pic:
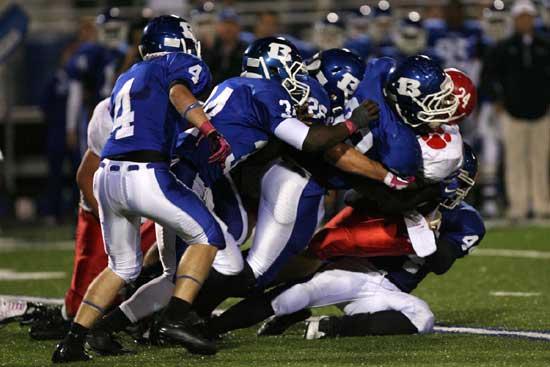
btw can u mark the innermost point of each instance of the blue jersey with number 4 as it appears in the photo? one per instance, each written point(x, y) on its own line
point(461, 227)
point(143, 116)
point(246, 111)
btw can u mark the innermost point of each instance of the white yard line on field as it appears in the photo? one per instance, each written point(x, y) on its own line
point(529, 334)
point(540, 335)
point(526, 254)
point(8, 274)
point(12, 244)
point(514, 294)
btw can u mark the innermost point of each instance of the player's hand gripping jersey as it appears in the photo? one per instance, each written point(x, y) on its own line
point(143, 116)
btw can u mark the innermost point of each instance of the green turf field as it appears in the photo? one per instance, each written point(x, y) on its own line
point(464, 296)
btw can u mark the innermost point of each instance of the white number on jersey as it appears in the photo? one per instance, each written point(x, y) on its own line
point(123, 120)
point(288, 109)
point(195, 72)
point(468, 242)
point(408, 87)
point(315, 109)
point(216, 103)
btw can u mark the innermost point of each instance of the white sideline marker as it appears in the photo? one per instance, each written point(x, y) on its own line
point(538, 335)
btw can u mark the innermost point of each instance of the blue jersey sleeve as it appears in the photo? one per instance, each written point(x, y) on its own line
point(274, 106)
point(463, 227)
point(81, 62)
point(189, 70)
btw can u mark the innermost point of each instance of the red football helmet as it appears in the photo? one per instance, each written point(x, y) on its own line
point(465, 91)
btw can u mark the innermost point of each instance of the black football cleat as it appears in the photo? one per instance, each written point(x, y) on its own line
point(69, 351)
point(188, 333)
point(103, 343)
point(49, 324)
point(278, 325)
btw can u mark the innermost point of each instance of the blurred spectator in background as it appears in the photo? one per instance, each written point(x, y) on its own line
point(380, 30)
point(357, 27)
point(92, 71)
point(203, 22)
point(53, 105)
point(517, 75)
point(267, 24)
point(329, 32)
point(496, 24)
point(409, 38)
point(225, 56)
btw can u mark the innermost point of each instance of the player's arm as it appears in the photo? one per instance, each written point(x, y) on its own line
point(74, 104)
point(444, 257)
point(189, 107)
point(319, 138)
point(372, 195)
point(348, 159)
point(85, 179)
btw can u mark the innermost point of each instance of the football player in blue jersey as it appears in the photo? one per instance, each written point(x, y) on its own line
point(92, 71)
point(390, 139)
point(270, 87)
point(227, 272)
point(374, 292)
point(414, 97)
point(225, 106)
point(387, 307)
point(148, 105)
point(456, 41)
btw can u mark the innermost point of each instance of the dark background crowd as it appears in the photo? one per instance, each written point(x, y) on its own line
point(502, 45)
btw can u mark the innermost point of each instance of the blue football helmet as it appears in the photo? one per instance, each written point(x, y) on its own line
point(168, 33)
point(112, 29)
point(278, 59)
point(421, 92)
point(463, 181)
point(339, 71)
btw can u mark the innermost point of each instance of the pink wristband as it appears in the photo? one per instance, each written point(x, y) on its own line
point(351, 126)
point(206, 128)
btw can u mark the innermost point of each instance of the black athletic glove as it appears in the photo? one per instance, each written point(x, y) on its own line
point(361, 116)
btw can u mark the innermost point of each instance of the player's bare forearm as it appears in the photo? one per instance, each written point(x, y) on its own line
point(181, 97)
point(85, 179)
point(321, 138)
point(348, 159)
